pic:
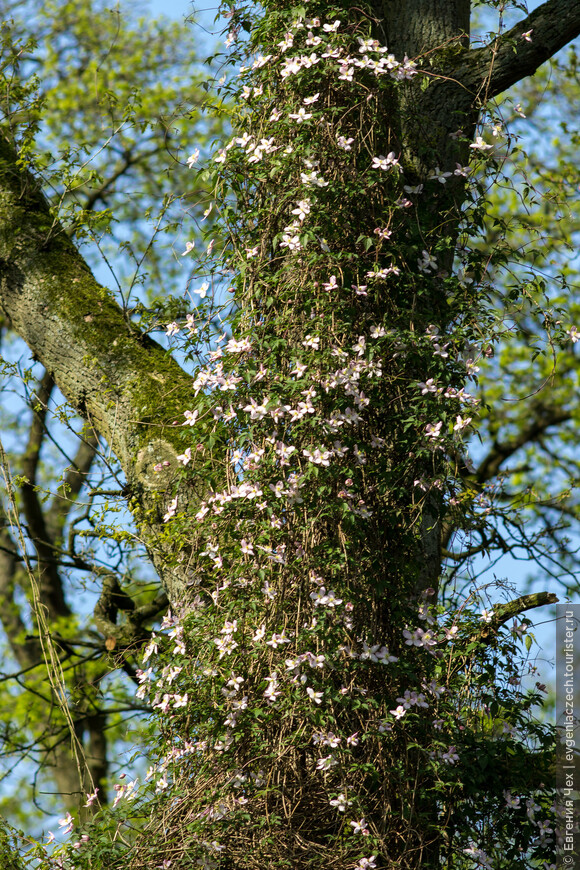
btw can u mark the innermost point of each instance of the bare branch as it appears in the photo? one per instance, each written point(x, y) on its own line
point(73, 481)
point(503, 612)
point(128, 160)
point(543, 418)
point(26, 650)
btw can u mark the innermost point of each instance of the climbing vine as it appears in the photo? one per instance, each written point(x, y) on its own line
point(320, 702)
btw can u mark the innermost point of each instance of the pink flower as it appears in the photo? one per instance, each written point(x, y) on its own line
point(67, 823)
point(360, 827)
point(91, 798)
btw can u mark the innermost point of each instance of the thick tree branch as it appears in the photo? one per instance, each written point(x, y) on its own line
point(120, 380)
point(131, 632)
point(491, 70)
point(503, 612)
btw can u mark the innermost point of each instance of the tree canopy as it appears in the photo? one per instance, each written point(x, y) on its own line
point(330, 678)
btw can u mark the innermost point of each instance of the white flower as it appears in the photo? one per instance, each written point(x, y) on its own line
point(193, 158)
point(332, 600)
point(381, 162)
point(234, 346)
point(67, 823)
point(302, 209)
point(426, 262)
point(171, 509)
point(461, 423)
point(418, 637)
point(260, 633)
point(300, 116)
point(190, 418)
point(416, 188)
point(247, 547)
point(340, 802)
point(440, 351)
point(202, 291)
point(290, 67)
point(189, 246)
point(272, 691)
point(428, 386)
point(312, 178)
point(277, 640)
point(287, 43)
point(450, 756)
point(480, 145)
point(326, 763)
point(384, 273)
point(291, 242)
point(439, 176)
point(225, 645)
point(313, 40)
point(331, 284)
point(314, 696)
point(91, 798)
point(399, 712)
